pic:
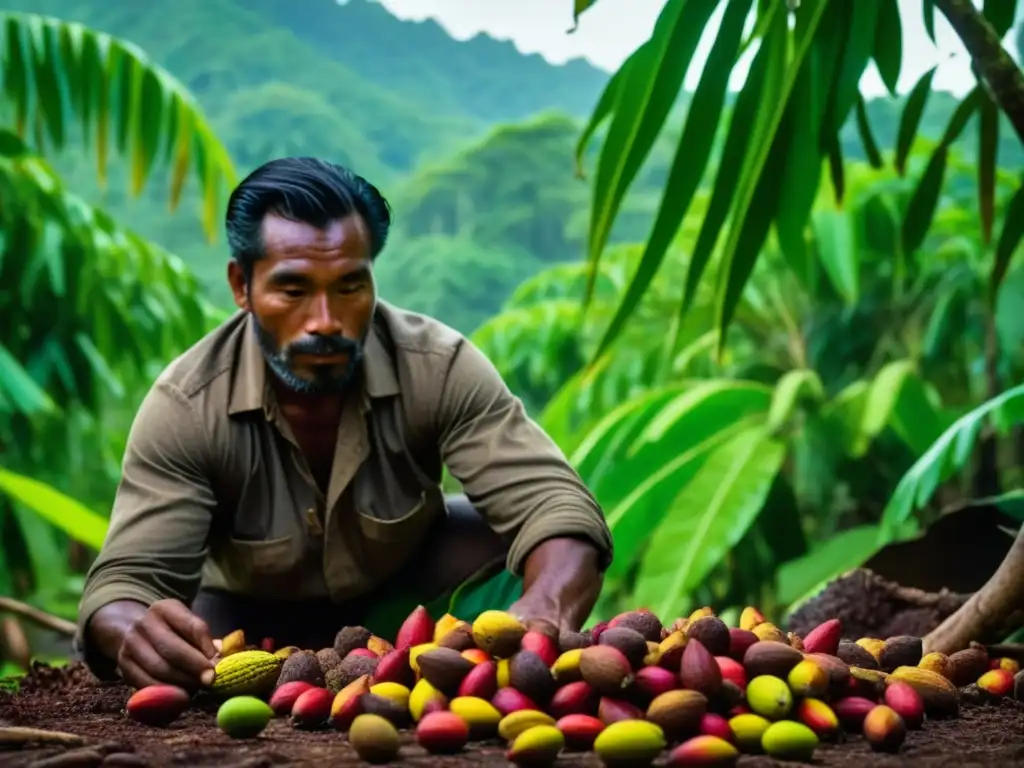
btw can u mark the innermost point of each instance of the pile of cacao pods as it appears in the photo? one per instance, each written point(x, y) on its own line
point(627, 690)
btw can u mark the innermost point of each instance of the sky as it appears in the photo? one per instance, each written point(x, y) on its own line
point(612, 29)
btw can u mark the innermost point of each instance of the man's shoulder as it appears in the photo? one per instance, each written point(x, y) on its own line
point(208, 360)
point(413, 333)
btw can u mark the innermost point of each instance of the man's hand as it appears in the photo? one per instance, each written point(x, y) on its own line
point(561, 584)
point(165, 644)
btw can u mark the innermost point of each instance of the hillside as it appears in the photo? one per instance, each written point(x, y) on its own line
point(484, 78)
point(228, 56)
point(480, 202)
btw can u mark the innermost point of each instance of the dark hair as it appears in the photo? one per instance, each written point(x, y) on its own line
point(302, 189)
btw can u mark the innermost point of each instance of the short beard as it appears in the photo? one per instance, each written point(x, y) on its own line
point(326, 381)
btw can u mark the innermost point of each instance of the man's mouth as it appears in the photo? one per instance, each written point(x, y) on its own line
point(326, 359)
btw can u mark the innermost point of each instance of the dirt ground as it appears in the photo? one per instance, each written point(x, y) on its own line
point(70, 700)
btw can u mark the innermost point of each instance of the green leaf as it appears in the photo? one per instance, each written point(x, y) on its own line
point(947, 456)
point(988, 153)
point(837, 172)
point(859, 45)
point(803, 126)
point(844, 415)
point(17, 386)
point(578, 7)
point(688, 166)
point(837, 248)
point(76, 520)
point(737, 141)
point(1000, 13)
point(911, 118)
point(645, 98)
point(867, 137)
point(882, 396)
point(928, 12)
point(45, 58)
point(793, 388)
point(888, 51)
point(1010, 503)
point(923, 202)
point(799, 580)
point(757, 194)
point(707, 519)
point(925, 199)
point(1009, 240)
point(605, 104)
point(636, 458)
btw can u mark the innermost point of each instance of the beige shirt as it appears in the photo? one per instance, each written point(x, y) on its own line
point(216, 492)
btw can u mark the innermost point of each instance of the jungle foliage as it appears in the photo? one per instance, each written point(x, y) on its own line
point(848, 356)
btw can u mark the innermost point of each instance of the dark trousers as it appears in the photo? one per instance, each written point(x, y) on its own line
point(461, 545)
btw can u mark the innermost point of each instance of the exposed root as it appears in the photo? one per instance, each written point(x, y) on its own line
point(15, 737)
point(990, 613)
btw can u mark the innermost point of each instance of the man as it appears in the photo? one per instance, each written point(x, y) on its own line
point(283, 476)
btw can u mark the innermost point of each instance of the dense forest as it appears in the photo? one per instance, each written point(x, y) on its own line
point(471, 141)
point(874, 347)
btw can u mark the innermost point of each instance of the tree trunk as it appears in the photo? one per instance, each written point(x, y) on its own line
point(1000, 72)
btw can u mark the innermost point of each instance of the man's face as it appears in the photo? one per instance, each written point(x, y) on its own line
point(312, 296)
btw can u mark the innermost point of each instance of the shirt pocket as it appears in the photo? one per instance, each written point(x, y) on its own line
point(389, 544)
point(261, 566)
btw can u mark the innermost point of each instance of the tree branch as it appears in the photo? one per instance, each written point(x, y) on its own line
point(1000, 72)
point(36, 616)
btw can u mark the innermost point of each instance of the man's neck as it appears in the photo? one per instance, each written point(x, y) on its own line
point(309, 408)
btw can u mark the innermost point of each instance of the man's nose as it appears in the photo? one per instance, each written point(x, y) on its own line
point(321, 321)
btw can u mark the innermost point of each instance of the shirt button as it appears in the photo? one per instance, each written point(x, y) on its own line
point(313, 521)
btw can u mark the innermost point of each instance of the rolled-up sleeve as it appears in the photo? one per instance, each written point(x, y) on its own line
point(156, 544)
point(512, 472)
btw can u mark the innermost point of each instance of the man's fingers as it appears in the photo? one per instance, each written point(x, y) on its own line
point(157, 667)
point(134, 675)
point(189, 626)
point(175, 649)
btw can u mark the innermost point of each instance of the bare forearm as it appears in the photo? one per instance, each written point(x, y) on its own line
point(564, 572)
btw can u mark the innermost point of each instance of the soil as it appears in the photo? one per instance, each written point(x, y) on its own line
point(70, 700)
point(870, 606)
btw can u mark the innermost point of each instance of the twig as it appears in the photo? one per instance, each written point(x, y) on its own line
point(42, 618)
point(16, 736)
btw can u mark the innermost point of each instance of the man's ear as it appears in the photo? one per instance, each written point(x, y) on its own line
point(239, 285)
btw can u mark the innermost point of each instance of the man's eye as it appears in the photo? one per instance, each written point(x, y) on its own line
point(351, 288)
point(293, 293)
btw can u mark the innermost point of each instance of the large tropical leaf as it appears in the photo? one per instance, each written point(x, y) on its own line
point(637, 458)
point(690, 161)
point(67, 514)
point(643, 101)
point(59, 76)
point(84, 301)
point(947, 456)
point(801, 88)
point(706, 519)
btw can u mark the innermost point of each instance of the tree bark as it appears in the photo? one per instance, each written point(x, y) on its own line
point(989, 611)
point(1000, 72)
